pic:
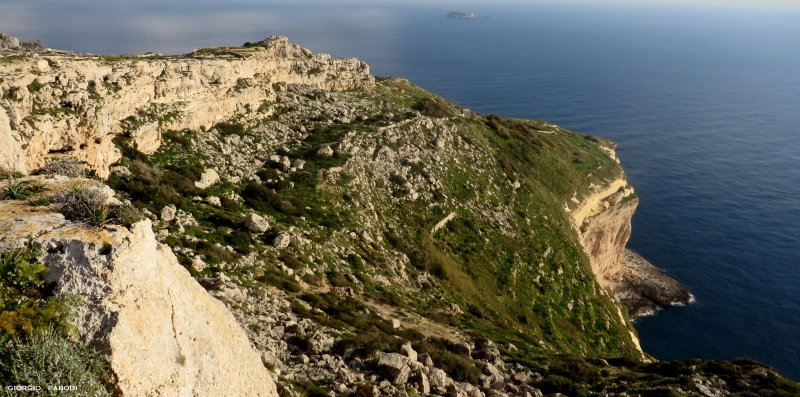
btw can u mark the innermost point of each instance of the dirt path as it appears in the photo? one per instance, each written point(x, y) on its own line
point(417, 322)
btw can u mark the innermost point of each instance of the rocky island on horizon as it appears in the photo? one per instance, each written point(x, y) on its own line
point(460, 15)
point(355, 235)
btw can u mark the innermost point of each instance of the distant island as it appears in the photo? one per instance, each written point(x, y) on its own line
point(455, 14)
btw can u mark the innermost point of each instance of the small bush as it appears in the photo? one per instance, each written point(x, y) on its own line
point(230, 129)
point(67, 167)
point(434, 108)
point(21, 190)
point(459, 368)
point(26, 306)
point(47, 358)
point(559, 384)
point(42, 201)
point(84, 204)
point(126, 215)
point(17, 190)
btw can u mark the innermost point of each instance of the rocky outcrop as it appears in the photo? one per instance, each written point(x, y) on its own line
point(54, 103)
point(604, 219)
point(9, 42)
point(164, 335)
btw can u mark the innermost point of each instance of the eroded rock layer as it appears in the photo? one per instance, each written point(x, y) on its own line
point(627, 277)
point(55, 104)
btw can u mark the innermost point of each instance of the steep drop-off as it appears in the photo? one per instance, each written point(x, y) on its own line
point(604, 220)
point(367, 238)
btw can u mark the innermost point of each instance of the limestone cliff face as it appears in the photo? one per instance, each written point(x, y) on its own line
point(604, 238)
point(56, 103)
point(164, 335)
point(604, 220)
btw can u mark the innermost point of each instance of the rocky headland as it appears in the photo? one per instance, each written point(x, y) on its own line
point(261, 220)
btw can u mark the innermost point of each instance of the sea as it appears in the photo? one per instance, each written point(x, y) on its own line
point(703, 101)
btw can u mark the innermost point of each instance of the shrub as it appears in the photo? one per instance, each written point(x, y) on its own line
point(559, 384)
point(21, 190)
point(230, 129)
point(84, 204)
point(17, 190)
point(459, 368)
point(41, 201)
point(47, 358)
point(259, 198)
point(126, 215)
point(434, 108)
point(68, 167)
point(25, 306)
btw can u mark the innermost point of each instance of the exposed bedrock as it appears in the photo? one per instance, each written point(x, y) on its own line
point(52, 103)
point(163, 334)
point(627, 277)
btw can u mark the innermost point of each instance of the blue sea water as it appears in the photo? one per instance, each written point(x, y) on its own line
point(704, 103)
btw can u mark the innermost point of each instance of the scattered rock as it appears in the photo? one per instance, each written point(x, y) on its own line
point(8, 42)
point(256, 223)
point(213, 200)
point(409, 351)
point(394, 366)
point(325, 152)
point(426, 360)
point(438, 378)
point(422, 381)
point(208, 178)
point(463, 349)
point(367, 390)
point(168, 213)
point(281, 241)
point(198, 265)
point(320, 343)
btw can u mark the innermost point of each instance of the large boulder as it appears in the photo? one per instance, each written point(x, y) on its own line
point(162, 332)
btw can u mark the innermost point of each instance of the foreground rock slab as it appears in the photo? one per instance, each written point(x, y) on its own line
point(163, 333)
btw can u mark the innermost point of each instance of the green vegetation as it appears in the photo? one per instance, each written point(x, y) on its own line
point(21, 190)
point(26, 303)
point(48, 359)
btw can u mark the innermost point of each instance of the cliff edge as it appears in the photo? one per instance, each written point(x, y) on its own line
point(365, 237)
point(603, 218)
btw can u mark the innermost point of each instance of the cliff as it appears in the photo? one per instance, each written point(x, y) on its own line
point(366, 238)
point(55, 104)
point(603, 218)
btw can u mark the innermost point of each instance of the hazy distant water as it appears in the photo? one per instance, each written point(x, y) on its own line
point(704, 103)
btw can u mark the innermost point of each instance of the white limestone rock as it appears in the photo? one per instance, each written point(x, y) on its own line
point(163, 333)
point(207, 179)
point(256, 223)
point(168, 213)
point(214, 200)
point(282, 241)
point(325, 152)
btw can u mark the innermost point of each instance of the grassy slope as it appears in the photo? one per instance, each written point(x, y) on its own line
point(515, 283)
